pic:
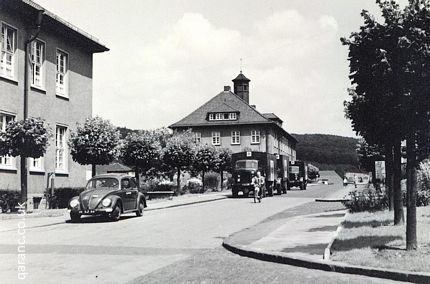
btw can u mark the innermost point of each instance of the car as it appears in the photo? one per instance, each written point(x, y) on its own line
point(108, 195)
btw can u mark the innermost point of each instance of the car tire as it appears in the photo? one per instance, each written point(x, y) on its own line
point(116, 213)
point(140, 208)
point(75, 217)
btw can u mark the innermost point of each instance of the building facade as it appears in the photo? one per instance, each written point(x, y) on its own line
point(229, 121)
point(60, 67)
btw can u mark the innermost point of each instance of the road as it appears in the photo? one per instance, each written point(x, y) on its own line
point(173, 245)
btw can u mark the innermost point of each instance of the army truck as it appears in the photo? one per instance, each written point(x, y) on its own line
point(245, 165)
point(298, 175)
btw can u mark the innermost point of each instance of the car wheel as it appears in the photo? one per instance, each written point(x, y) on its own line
point(75, 217)
point(116, 213)
point(139, 211)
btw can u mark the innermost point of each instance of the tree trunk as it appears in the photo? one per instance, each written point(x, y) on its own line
point(203, 181)
point(222, 180)
point(137, 176)
point(399, 217)
point(93, 169)
point(23, 183)
point(389, 175)
point(178, 180)
point(411, 185)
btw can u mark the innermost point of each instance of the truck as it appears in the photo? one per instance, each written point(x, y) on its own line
point(281, 183)
point(246, 164)
point(298, 175)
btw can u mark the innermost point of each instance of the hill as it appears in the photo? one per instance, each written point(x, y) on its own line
point(328, 152)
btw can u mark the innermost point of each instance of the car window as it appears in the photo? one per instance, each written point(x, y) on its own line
point(133, 183)
point(102, 183)
point(125, 183)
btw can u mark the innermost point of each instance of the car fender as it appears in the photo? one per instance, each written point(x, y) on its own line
point(115, 201)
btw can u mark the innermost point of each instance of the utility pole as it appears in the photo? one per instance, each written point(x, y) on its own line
point(23, 163)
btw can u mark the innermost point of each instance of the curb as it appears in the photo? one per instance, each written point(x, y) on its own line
point(331, 266)
point(189, 203)
point(330, 200)
point(327, 251)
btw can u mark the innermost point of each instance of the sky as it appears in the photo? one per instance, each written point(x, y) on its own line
point(168, 57)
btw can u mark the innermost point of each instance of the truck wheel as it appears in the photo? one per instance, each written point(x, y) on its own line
point(234, 193)
point(302, 187)
point(270, 191)
point(279, 190)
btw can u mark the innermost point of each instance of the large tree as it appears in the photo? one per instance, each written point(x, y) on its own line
point(223, 162)
point(141, 151)
point(27, 138)
point(204, 160)
point(178, 154)
point(94, 143)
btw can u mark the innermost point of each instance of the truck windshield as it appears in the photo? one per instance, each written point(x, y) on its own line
point(294, 169)
point(102, 182)
point(247, 164)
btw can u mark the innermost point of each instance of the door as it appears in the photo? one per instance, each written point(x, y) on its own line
point(129, 193)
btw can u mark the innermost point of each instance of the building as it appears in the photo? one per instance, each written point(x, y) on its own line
point(60, 89)
point(229, 121)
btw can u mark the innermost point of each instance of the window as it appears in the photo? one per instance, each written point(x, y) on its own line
point(232, 116)
point(235, 137)
point(218, 116)
point(216, 138)
point(6, 161)
point(255, 137)
point(211, 116)
point(8, 47)
point(197, 137)
point(61, 149)
point(61, 77)
point(223, 116)
point(36, 165)
point(37, 59)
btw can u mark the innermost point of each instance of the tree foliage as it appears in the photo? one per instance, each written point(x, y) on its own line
point(368, 154)
point(26, 138)
point(95, 142)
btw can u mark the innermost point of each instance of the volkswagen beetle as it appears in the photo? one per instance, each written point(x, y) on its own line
point(110, 195)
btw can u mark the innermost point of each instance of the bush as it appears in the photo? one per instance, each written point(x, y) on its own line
point(166, 186)
point(212, 181)
point(366, 201)
point(194, 185)
point(423, 198)
point(9, 199)
point(62, 195)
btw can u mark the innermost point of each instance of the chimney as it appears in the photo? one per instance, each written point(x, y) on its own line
point(227, 89)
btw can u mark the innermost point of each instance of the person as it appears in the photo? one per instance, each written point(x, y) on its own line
point(258, 183)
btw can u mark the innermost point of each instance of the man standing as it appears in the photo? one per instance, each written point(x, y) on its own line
point(258, 183)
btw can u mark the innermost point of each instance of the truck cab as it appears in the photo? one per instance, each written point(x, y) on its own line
point(298, 176)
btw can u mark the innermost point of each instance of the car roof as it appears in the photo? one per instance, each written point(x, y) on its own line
point(113, 175)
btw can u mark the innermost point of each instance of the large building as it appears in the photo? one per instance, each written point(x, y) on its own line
point(60, 71)
point(229, 121)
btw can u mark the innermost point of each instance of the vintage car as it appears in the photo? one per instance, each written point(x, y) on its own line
point(110, 195)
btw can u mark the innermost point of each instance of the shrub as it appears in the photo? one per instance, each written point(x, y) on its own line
point(366, 201)
point(166, 186)
point(194, 185)
point(212, 181)
point(62, 195)
point(423, 198)
point(9, 199)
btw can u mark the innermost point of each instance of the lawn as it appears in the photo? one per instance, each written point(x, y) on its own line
point(371, 239)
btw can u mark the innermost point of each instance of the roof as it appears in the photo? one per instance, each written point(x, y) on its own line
point(113, 168)
point(241, 77)
point(272, 116)
point(227, 101)
point(54, 22)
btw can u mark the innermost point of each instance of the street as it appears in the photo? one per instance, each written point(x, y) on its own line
point(172, 245)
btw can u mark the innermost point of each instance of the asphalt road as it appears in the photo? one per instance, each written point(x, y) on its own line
point(173, 245)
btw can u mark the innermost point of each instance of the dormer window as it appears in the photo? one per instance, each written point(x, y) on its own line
point(222, 116)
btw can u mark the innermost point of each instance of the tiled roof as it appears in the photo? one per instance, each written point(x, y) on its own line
point(113, 168)
point(223, 101)
point(271, 115)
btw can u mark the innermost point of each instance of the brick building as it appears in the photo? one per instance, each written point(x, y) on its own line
point(60, 89)
point(229, 121)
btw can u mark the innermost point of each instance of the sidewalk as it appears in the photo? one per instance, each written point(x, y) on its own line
point(302, 236)
point(41, 218)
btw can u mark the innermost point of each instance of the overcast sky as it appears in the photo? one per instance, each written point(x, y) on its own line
point(168, 57)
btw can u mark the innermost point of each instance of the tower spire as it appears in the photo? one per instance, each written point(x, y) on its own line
point(241, 66)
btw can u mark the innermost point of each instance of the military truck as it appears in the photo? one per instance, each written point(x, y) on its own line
point(298, 175)
point(245, 165)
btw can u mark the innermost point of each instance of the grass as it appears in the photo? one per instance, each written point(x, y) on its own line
point(371, 239)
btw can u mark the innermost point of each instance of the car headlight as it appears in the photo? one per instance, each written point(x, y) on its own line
point(106, 202)
point(74, 203)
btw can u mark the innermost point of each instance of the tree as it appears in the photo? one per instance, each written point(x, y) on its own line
point(368, 154)
point(94, 143)
point(27, 138)
point(179, 153)
point(223, 162)
point(204, 160)
point(141, 151)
